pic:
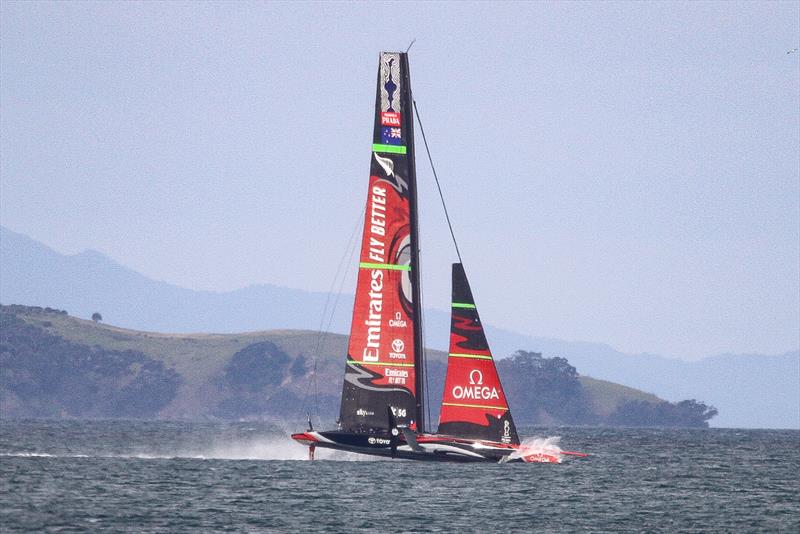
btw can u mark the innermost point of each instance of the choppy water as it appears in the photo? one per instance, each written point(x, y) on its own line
point(181, 477)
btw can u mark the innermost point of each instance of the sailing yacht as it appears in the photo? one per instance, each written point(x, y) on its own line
point(383, 403)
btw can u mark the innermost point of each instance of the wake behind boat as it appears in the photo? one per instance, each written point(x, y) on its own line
point(382, 408)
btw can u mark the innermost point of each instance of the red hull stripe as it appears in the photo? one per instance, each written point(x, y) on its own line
point(382, 364)
point(481, 406)
point(473, 356)
point(389, 266)
point(450, 439)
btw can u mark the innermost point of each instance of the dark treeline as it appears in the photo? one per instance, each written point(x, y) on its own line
point(547, 390)
point(45, 375)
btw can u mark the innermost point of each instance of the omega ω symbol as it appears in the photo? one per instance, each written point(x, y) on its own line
point(475, 377)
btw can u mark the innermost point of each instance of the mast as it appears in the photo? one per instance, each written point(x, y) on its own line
point(419, 348)
point(383, 381)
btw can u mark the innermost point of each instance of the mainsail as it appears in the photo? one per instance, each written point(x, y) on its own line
point(383, 370)
point(473, 405)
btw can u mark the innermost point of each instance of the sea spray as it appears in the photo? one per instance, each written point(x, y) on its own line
point(272, 442)
point(260, 441)
point(256, 444)
point(540, 450)
point(257, 448)
point(273, 448)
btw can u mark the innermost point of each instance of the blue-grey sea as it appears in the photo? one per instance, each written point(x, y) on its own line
point(118, 476)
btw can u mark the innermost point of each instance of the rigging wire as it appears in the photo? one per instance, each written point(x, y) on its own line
point(323, 330)
point(452, 234)
point(422, 357)
point(436, 177)
point(349, 250)
point(424, 361)
point(352, 247)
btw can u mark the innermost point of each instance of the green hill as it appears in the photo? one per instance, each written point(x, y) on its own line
point(55, 365)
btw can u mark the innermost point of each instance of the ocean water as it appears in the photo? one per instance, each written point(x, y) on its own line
point(118, 476)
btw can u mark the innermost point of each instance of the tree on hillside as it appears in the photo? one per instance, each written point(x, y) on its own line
point(96, 317)
point(686, 413)
point(542, 388)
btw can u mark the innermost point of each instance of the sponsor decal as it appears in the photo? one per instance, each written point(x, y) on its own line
point(363, 413)
point(391, 135)
point(362, 379)
point(398, 321)
point(390, 118)
point(398, 346)
point(475, 390)
point(377, 252)
point(377, 224)
point(395, 376)
point(506, 438)
point(378, 441)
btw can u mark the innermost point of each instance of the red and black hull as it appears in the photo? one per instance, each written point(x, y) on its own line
point(426, 447)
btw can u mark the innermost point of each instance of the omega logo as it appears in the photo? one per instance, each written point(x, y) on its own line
point(475, 377)
point(475, 390)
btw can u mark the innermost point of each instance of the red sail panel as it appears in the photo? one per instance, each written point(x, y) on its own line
point(474, 404)
point(380, 370)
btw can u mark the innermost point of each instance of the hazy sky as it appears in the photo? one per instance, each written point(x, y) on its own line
point(624, 173)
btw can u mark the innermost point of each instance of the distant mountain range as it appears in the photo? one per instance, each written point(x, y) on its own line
point(750, 390)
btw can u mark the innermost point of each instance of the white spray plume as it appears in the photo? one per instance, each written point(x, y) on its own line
point(535, 446)
point(273, 445)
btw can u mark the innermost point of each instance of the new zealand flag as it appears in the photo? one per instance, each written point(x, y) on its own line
point(391, 136)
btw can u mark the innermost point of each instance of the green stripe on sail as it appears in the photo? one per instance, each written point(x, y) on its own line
point(389, 266)
point(383, 364)
point(473, 356)
point(463, 305)
point(481, 406)
point(391, 149)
